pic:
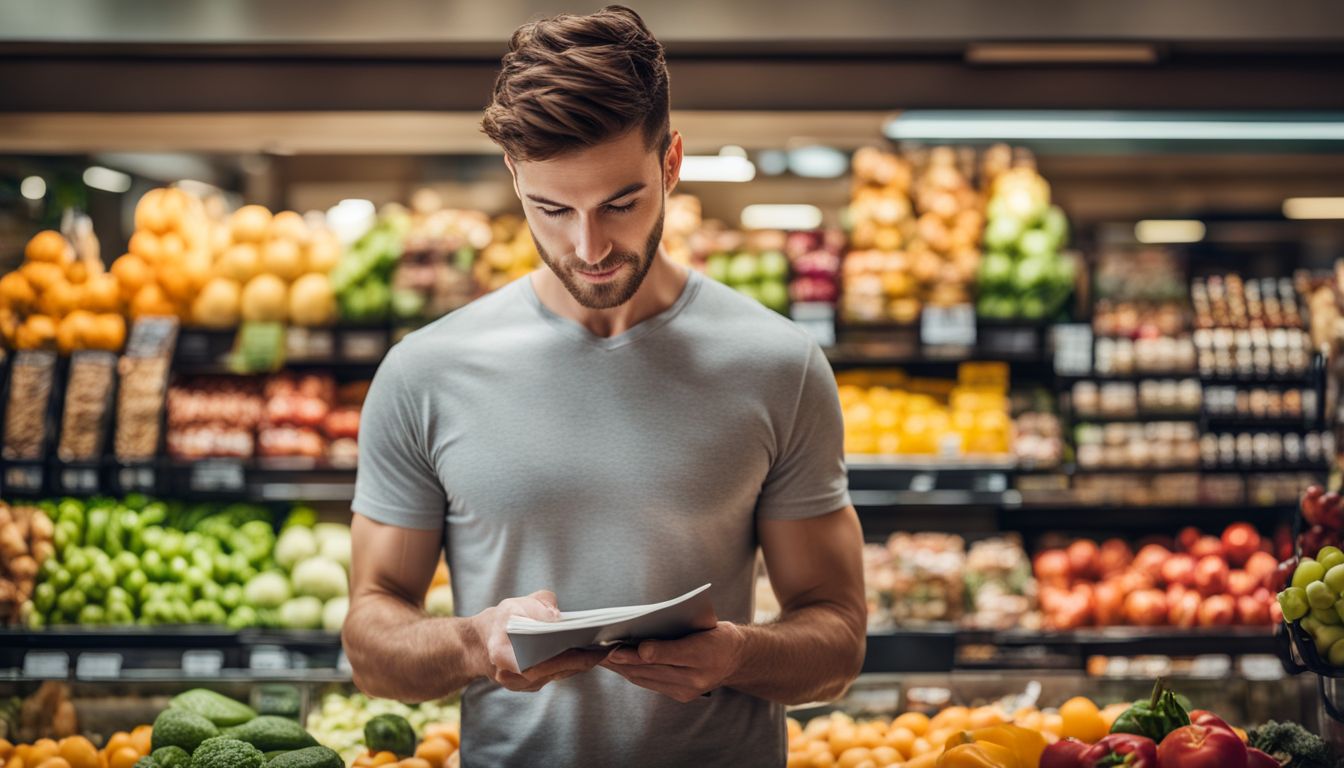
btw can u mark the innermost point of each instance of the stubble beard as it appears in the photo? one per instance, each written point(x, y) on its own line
point(616, 292)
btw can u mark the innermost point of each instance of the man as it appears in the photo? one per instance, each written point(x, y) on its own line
point(610, 430)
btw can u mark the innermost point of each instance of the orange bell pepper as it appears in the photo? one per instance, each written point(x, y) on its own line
point(1024, 744)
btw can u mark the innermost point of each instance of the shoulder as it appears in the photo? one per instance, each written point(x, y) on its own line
point(462, 330)
point(759, 333)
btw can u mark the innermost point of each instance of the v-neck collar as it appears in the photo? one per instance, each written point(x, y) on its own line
point(636, 332)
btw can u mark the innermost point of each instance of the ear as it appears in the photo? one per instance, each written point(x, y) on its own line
point(672, 163)
point(513, 173)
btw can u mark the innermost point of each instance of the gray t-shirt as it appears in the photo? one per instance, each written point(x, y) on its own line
point(612, 471)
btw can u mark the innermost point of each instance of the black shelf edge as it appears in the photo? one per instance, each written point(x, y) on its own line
point(1303, 378)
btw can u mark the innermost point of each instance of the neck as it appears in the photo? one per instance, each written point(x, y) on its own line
point(661, 288)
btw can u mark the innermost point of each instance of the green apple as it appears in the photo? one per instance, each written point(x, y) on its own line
point(1307, 571)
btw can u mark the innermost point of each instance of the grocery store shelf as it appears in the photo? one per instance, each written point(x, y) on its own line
point(861, 462)
point(1251, 424)
point(1199, 469)
point(1136, 418)
point(1080, 515)
point(950, 498)
point(1302, 377)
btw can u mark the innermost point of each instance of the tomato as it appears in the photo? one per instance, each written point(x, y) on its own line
point(1208, 720)
point(1200, 746)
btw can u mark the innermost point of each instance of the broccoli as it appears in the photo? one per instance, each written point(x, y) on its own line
point(1293, 743)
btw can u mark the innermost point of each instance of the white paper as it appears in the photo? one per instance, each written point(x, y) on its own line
point(536, 641)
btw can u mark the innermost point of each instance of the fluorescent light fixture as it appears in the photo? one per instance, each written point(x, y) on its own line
point(1061, 53)
point(817, 162)
point(772, 162)
point(106, 179)
point(1118, 126)
point(1155, 231)
point(1314, 208)
point(351, 218)
point(763, 216)
point(716, 168)
point(33, 188)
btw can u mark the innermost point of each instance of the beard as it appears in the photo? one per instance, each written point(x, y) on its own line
point(617, 291)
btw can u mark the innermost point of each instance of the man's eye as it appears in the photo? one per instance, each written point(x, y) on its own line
point(622, 208)
point(554, 213)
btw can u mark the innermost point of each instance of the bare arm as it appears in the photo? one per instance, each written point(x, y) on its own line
point(398, 652)
point(812, 653)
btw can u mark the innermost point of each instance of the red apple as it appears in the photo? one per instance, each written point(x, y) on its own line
point(1149, 560)
point(1241, 583)
point(1240, 541)
point(1211, 575)
point(1115, 556)
point(1187, 537)
point(1052, 568)
point(1184, 612)
point(1083, 558)
point(1180, 569)
point(1146, 608)
point(1174, 592)
point(1311, 504)
point(1109, 603)
point(1262, 565)
point(1252, 612)
point(1217, 611)
point(1207, 545)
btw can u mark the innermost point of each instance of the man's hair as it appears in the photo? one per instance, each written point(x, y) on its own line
point(572, 82)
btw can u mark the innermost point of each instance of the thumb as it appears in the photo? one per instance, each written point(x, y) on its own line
point(547, 598)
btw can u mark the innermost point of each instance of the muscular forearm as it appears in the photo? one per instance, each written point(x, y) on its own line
point(397, 652)
point(812, 653)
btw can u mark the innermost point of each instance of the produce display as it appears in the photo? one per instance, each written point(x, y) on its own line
point(1156, 355)
point(168, 257)
point(27, 537)
point(60, 301)
point(752, 264)
point(1140, 294)
point(1249, 328)
point(88, 406)
point(510, 255)
point(1197, 580)
point(814, 260)
point(1038, 439)
point(31, 382)
point(888, 413)
point(434, 275)
point(343, 723)
point(213, 416)
point(1162, 730)
point(1024, 273)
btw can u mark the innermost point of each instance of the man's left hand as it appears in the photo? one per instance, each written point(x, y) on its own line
point(683, 669)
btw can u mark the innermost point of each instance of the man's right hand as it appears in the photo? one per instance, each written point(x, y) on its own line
point(498, 661)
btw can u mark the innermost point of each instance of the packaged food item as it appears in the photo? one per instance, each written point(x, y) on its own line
point(1000, 588)
point(915, 579)
point(88, 405)
point(213, 417)
point(144, 382)
point(26, 424)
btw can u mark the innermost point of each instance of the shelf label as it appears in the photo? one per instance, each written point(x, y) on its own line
point(98, 665)
point(343, 663)
point(24, 478)
point(268, 658)
point(818, 319)
point(309, 344)
point(363, 345)
point(79, 480)
point(132, 479)
point(217, 475)
point(206, 663)
point(948, 326)
point(52, 664)
point(1073, 349)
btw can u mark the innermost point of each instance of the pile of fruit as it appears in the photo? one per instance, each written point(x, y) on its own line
point(310, 586)
point(887, 413)
point(753, 266)
point(510, 255)
point(58, 301)
point(814, 258)
point(1024, 274)
point(214, 416)
point(1196, 580)
point(434, 275)
point(1315, 599)
point(1323, 516)
point(26, 543)
point(341, 722)
point(1159, 731)
point(123, 750)
point(880, 282)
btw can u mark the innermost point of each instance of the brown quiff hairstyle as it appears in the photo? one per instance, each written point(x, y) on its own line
point(571, 82)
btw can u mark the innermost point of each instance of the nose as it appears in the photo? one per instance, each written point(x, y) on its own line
point(593, 245)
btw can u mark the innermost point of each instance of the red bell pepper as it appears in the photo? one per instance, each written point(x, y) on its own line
point(1126, 750)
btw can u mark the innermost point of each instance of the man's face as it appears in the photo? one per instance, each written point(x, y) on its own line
point(597, 216)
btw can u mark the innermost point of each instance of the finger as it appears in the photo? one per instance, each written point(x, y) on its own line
point(547, 598)
point(576, 660)
point(501, 654)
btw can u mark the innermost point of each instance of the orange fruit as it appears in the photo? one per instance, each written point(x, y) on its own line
point(54, 762)
point(102, 293)
point(916, 722)
point(49, 246)
point(37, 332)
point(938, 737)
point(132, 273)
point(853, 756)
point(151, 301)
point(79, 752)
point(383, 758)
point(902, 739)
point(416, 762)
point(435, 750)
point(42, 275)
point(43, 749)
point(983, 717)
point(6, 749)
point(172, 247)
point(146, 245)
point(140, 738)
point(176, 282)
point(1082, 720)
point(885, 756)
point(15, 761)
point(17, 292)
point(954, 718)
point(124, 757)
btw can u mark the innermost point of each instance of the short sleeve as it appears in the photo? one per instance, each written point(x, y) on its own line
point(395, 483)
point(808, 478)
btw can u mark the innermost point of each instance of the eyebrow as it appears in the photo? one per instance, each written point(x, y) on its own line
point(622, 192)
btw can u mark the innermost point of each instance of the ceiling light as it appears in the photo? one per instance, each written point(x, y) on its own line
point(33, 188)
point(1154, 231)
point(716, 168)
point(1314, 208)
point(817, 162)
point(781, 217)
point(106, 179)
point(1112, 126)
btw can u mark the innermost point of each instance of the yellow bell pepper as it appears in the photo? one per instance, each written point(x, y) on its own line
point(977, 755)
point(1024, 744)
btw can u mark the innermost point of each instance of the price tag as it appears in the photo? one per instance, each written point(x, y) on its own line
point(202, 663)
point(948, 326)
point(343, 663)
point(922, 482)
point(363, 345)
point(24, 479)
point(98, 665)
point(268, 658)
point(132, 479)
point(218, 475)
point(49, 664)
point(193, 346)
point(79, 480)
point(309, 344)
point(1073, 349)
point(818, 319)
